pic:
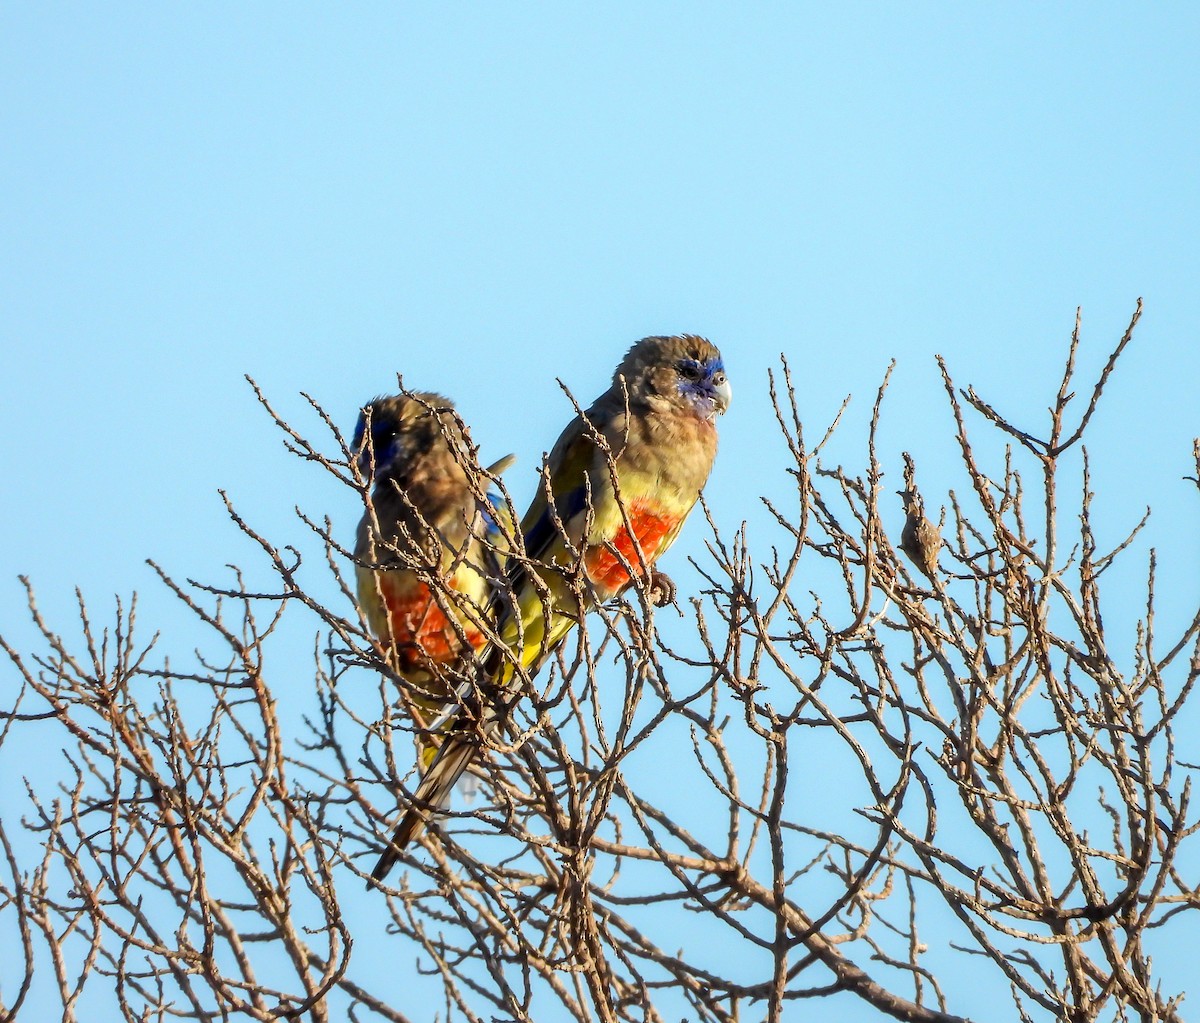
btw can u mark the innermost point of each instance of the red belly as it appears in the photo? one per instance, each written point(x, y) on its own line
point(606, 570)
point(420, 629)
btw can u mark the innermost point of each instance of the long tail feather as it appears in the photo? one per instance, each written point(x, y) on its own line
point(456, 753)
point(453, 758)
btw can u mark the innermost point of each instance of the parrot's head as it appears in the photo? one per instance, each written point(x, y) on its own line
point(394, 433)
point(684, 370)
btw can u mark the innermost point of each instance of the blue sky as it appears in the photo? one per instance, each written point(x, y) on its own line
point(485, 198)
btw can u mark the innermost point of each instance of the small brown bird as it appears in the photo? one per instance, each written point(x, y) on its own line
point(920, 539)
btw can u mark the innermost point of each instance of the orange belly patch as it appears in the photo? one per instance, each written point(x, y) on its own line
point(607, 571)
point(420, 629)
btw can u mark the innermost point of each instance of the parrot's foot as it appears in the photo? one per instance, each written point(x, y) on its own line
point(660, 589)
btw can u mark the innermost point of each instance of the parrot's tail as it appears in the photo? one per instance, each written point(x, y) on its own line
point(453, 758)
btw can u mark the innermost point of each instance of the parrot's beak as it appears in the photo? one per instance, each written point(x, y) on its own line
point(723, 393)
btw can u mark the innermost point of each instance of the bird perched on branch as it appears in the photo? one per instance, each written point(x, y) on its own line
point(920, 539)
point(614, 493)
point(428, 544)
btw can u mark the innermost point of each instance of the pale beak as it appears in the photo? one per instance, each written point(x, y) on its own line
point(723, 392)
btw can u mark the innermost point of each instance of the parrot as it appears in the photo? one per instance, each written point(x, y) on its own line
point(654, 430)
point(425, 518)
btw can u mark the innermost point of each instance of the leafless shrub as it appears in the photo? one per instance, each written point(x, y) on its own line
point(652, 838)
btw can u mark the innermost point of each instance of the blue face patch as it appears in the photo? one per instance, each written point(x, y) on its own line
point(699, 381)
point(384, 443)
point(695, 370)
point(359, 429)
